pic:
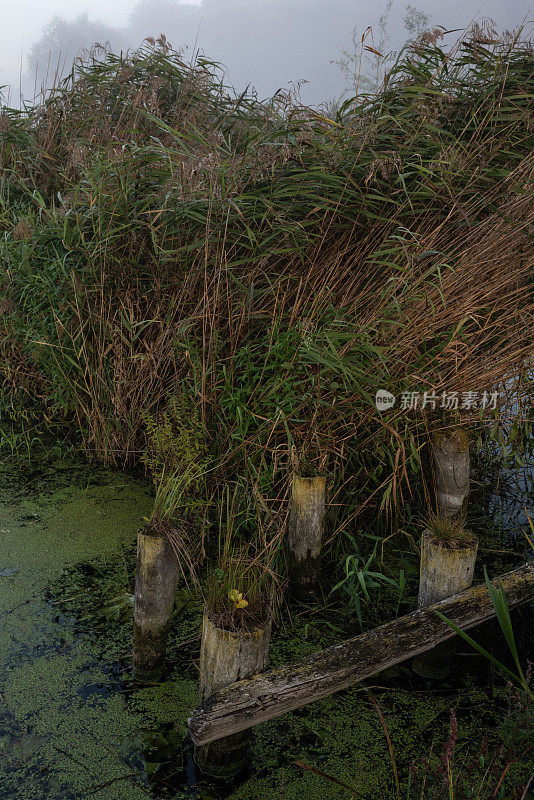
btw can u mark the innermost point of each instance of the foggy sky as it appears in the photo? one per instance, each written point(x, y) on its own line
point(269, 44)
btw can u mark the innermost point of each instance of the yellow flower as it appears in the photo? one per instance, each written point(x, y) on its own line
point(237, 598)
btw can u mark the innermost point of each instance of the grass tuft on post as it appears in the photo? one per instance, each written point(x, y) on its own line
point(448, 556)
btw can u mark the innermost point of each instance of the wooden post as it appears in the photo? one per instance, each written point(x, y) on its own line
point(306, 532)
point(156, 577)
point(444, 572)
point(227, 657)
point(450, 449)
point(278, 691)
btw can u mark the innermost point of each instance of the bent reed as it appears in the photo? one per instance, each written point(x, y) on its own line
point(278, 264)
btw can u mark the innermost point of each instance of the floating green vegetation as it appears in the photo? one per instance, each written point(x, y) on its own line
point(343, 740)
point(73, 724)
point(68, 728)
point(169, 703)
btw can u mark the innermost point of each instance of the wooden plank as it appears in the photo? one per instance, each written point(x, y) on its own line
point(271, 694)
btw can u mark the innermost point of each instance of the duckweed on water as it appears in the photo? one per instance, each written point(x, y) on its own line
point(56, 694)
point(73, 725)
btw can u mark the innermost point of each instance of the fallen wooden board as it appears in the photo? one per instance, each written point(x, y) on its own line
point(271, 694)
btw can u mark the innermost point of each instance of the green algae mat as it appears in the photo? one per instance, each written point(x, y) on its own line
point(74, 725)
point(68, 727)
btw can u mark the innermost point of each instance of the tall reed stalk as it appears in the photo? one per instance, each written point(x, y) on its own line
point(280, 264)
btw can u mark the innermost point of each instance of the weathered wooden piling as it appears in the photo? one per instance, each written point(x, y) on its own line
point(254, 700)
point(156, 578)
point(445, 570)
point(450, 450)
point(227, 657)
point(305, 534)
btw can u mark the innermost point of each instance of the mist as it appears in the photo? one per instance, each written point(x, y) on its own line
point(264, 44)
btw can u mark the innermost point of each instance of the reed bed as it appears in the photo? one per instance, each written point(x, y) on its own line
point(163, 237)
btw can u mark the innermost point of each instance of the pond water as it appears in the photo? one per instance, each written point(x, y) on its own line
point(74, 725)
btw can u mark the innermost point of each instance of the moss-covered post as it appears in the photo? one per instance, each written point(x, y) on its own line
point(446, 568)
point(156, 577)
point(306, 532)
point(227, 657)
point(450, 450)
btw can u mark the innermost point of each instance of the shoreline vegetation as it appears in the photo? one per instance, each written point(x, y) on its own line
point(217, 289)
